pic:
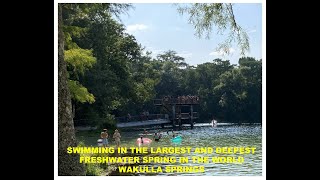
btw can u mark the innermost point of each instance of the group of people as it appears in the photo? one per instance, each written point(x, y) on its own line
point(182, 99)
point(156, 136)
point(188, 99)
point(104, 136)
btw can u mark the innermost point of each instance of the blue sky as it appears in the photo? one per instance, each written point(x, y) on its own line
point(159, 27)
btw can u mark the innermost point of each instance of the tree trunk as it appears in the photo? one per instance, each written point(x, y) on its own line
point(73, 103)
point(68, 164)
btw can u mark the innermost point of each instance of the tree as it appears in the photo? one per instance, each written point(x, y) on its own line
point(79, 57)
point(78, 61)
point(240, 92)
point(172, 56)
point(110, 79)
point(204, 16)
point(68, 163)
point(171, 74)
point(208, 76)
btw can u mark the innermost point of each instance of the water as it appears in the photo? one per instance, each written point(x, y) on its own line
point(206, 136)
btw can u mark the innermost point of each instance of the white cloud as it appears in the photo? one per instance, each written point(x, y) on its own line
point(157, 51)
point(221, 52)
point(154, 51)
point(252, 31)
point(185, 54)
point(136, 27)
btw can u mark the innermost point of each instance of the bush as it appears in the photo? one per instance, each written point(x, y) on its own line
point(81, 144)
point(96, 169)
point(109, 123)
point(93, 169)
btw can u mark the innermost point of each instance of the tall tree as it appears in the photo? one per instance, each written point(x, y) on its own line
point(72, 14)
point(68, 163)
point(171, 73)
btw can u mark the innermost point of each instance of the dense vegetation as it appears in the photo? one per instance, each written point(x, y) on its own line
point(109, 74)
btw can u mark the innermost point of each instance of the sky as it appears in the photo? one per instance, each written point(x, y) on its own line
point(159, 27)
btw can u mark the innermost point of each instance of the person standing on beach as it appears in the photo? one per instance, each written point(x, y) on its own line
point(117, 137)
point(104, 136)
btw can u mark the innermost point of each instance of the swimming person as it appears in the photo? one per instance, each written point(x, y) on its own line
point(173, 134)
point(157, 136)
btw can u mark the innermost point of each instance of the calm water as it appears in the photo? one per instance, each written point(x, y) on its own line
point(206, 136)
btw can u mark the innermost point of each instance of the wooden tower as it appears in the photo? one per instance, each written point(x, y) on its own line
point(180, 109)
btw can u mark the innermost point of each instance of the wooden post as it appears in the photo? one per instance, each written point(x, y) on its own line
point(174, 116)
point(179, 121)
point(191, 116)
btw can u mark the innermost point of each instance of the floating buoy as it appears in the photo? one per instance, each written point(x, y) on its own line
point(177, 139)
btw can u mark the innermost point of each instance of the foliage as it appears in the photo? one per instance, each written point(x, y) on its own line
point(80, 60)
point(93, 169)
point(80, 93)
point(203, 16)
point(109, 122)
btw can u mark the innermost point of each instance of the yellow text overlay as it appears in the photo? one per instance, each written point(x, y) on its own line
point(173, 159)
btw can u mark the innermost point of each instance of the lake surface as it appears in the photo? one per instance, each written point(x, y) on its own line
point(224, 135)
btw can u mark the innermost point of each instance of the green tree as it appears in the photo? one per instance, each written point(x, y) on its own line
point(171, 69)
point(171, 56)
point(68, 163)
point(203, 16)
point(240, 92)
point(80, 58)
point(208, 76)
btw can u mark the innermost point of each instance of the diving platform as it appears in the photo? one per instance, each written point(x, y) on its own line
point(175, 111)
point(180, 109)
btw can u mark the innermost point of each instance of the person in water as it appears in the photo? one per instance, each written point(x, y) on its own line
point(173, 134)
point(213, 122)
point(145, 132)
point(157, 136)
